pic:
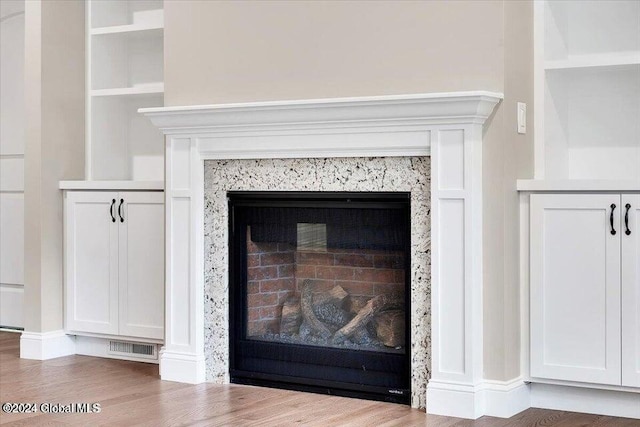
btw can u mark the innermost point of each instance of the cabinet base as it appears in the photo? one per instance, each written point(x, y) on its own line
point(102, 347)
point(586, 400)
point(504, 399)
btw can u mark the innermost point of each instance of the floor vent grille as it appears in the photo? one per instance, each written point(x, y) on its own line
point(147, 351)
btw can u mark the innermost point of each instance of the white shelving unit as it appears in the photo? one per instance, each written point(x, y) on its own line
point(124, 72)
point(579, 215)
point(587, 101)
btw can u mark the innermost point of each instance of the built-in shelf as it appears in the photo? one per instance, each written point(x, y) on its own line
point(146, 89)
point(587, 92)
point(125, 72)
point(577, 185)
point(145, 27)
point(112, 185)
point(618, 59)
point(118, 13)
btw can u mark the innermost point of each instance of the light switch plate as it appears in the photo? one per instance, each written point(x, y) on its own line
point(522, 117)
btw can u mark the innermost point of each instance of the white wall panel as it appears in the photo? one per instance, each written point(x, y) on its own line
point(12, 238)
point(11, 300)
point(12, 174)
point(451, 247)
point(451, 154)
point(179, 295)
point(11, 163)
point(180, 163)
point(12, 79)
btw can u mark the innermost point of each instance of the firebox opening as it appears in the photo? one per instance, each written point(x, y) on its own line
point(319, 292)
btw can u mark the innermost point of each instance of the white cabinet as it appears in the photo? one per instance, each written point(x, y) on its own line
point(91, 262)
point(141, 265)
point(575, 288)
point(114, 270)
point(583, 265)
point(631, 291)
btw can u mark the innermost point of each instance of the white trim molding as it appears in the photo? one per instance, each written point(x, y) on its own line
point(446, 126)
point(46, 345)
point(342, 127)
point(182, 367)
point(502, 399)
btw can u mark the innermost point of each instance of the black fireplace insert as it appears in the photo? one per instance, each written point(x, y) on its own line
point(319, 292)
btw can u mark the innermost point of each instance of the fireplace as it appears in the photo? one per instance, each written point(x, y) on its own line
point(428, 145)
point(319, 295)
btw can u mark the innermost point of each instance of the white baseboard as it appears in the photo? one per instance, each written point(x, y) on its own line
point(501, 399)
point(504, 399)
point(452, 400)
point(46, 345)
point(182, 367)
point(587, 400)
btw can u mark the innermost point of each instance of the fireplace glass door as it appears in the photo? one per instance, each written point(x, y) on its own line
point(319, 292)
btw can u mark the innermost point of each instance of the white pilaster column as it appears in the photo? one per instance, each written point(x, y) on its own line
point(182, 357)
point(456, 271)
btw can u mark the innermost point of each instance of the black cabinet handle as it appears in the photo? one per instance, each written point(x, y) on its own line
point(113, 218)
point(120, 211)
point(626, 219)
point(613, 208)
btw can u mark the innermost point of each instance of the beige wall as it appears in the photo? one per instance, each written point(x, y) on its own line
point(225, 51)
point(229, 51)
point(54, 147)
point(507, 156)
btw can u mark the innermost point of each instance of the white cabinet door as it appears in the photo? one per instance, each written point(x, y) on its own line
point(575, 287)
point(631, 290)
point(141, 260)
point(91, 262)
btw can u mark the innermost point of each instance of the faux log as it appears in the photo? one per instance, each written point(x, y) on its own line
point(364, 316)
point(356, 304)
point(291, 316)
point(337, 295)
point(390, 328)
point(306, 305)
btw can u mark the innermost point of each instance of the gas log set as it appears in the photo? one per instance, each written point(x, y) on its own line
point(334, 318)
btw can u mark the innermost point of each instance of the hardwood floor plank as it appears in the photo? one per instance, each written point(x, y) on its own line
point(131, 394)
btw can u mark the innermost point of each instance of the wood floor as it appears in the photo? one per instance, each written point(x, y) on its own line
point(131, 394)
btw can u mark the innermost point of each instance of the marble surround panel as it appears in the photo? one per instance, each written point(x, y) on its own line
point(407, 174)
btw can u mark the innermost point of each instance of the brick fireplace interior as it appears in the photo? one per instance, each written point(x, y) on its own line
point(277, 273)
point(320, 293)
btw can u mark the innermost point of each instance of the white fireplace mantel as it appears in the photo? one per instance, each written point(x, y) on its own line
point(445, 126)
point(343, 127)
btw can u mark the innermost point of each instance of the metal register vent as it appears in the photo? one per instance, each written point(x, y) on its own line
point(147, 351)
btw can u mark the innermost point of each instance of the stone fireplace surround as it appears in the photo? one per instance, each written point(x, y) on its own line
point(347, 144)
point(381, 174)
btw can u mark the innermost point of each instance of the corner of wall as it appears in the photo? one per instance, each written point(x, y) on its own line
point(54, 150)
